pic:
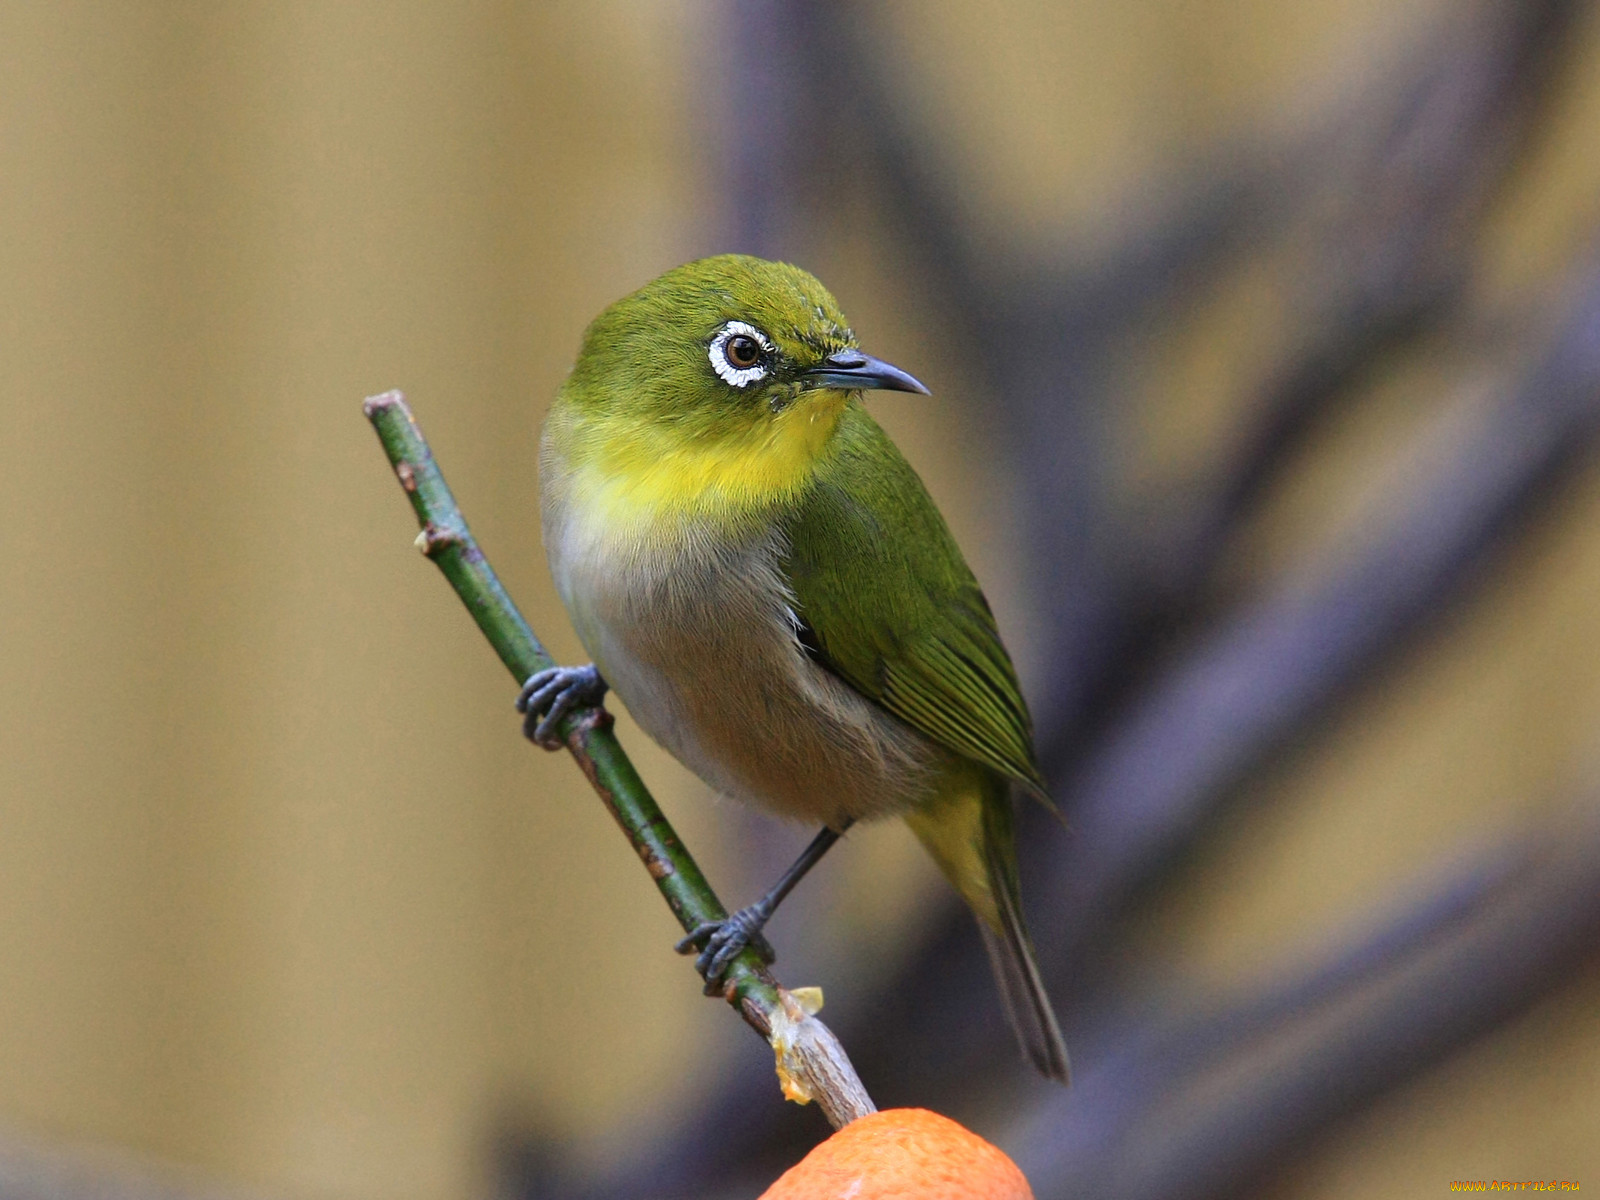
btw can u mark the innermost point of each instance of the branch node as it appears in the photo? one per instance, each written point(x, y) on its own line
point(434, 540)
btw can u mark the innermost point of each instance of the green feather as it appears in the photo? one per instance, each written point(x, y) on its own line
point(893, 608)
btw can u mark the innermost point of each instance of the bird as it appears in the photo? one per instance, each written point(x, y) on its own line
point(764, 580)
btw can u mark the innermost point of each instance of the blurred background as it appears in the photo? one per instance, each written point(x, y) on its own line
point(1265, 348)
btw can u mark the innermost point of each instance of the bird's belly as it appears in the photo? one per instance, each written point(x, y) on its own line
point(702, 650)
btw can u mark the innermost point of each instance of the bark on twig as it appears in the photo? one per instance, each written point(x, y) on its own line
point(811, 1062)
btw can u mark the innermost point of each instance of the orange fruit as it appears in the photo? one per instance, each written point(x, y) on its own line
point(899, 1154)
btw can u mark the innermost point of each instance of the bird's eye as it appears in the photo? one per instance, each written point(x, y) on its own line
point(743, 351)
point(740, 354)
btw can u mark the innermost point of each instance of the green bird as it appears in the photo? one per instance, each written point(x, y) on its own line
point(765, 581)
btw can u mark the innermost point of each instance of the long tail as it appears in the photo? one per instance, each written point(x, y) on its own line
point(1011, 949)
point(970, 836)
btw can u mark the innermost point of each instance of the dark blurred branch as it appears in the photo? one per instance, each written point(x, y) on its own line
point(1388, 263)
point(1241, 691)
point(1221, 1101)
point(812, 1064)
point(1139, 1046)
point(985, 280)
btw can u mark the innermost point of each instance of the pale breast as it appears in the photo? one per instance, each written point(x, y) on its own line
point(695, 631)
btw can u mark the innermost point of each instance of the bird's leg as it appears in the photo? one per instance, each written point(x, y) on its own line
point(719, 942)
point(551, 695)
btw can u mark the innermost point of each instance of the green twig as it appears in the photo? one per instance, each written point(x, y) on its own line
point(811, 1063)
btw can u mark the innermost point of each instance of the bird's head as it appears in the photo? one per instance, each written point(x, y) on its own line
point(715, 386)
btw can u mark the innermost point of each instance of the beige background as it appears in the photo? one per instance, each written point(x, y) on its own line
point(283, 897)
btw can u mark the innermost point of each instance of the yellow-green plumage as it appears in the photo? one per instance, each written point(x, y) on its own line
point(766, 583)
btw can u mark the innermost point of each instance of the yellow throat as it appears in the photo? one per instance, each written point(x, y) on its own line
point(634, 474)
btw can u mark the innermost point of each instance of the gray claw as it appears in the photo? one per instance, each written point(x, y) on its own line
point(719, 943)
point(552, 694)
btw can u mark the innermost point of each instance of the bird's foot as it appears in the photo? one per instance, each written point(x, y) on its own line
point(551, 695)
point(719, 943)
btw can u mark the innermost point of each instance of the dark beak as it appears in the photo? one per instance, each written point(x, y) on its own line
point(852, 370)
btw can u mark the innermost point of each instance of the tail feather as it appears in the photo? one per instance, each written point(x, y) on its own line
point(969, 833)
point(1016, 969)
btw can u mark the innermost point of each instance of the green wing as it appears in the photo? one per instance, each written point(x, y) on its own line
point(891, 607)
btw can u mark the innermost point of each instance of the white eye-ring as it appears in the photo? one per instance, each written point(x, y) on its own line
point(739, 354)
